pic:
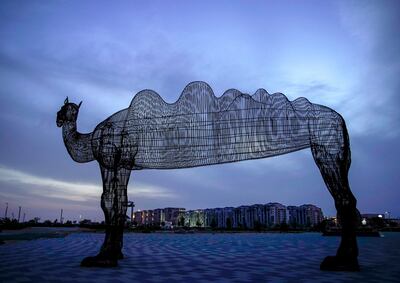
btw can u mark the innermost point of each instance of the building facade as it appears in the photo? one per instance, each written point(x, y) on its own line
point(306, 215)
point(246, 217)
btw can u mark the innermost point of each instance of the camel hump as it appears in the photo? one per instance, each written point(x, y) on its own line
point(198, 98)
point(261, 95)
point(198, 87)
point(147, 103)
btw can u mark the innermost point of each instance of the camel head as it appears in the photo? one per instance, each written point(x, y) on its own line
point(68, 113)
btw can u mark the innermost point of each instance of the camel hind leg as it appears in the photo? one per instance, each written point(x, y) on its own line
point(331, 152)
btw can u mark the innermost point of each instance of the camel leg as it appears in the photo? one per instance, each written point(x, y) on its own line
point(334, 170)
point(114, 204)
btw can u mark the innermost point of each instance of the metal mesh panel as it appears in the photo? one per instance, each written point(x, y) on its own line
point(201, 129)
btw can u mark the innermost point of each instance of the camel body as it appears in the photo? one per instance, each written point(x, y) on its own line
point(201, 129)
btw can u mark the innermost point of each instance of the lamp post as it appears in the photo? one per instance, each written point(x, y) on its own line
point(5, 214)
point(19, 213)
point(131, 204)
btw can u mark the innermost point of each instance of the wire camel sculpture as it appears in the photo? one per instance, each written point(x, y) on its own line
point(201, 129)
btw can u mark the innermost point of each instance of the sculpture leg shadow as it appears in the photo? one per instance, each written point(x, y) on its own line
point(334, 168)
point(114, 204)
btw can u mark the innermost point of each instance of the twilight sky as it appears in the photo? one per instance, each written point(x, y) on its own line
point(345, 55)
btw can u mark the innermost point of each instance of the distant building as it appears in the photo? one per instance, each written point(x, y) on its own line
point(293, 212)
point(276, 214)
point(259, 215)
point(245, 216)
point(148, 217)
point(209, 216)
point(305, 215)
point(172, 214)
point(227, 219)
point(194, 218)
point(138, 217)
point(241, 217)
point(159, 216)
point(373, 215)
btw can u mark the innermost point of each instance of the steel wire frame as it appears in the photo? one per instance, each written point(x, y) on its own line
point(201, 129)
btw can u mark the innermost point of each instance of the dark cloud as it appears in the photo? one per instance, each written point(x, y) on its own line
point(374, 25)
point(43, 206)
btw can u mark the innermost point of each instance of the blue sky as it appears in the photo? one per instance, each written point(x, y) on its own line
point(342, 54)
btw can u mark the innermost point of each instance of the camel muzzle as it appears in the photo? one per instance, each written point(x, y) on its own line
point(60, 120)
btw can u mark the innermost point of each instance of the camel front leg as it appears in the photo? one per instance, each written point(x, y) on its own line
point(114, 204)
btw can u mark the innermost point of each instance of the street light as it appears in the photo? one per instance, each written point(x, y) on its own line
point(5, 214)
point(19, 213)
point(131, 204)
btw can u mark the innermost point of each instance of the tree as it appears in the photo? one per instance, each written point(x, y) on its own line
point(244, 224)
point(213, 223)
point(321, 226)
point(257, 225)
point(181, 221)
point(284, 227)
point(85, 222)
point(228, 223)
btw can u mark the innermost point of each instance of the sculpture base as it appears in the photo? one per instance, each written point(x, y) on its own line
point(335, 263)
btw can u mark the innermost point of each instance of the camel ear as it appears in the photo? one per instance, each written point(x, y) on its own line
point(66, 100)
point(80, 103)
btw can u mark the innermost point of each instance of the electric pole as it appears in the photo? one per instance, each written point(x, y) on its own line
point(19, 213)
point(131, 204)
point(61, 216)
point(5, 214)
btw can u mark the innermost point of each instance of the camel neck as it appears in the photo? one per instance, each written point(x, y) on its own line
point(69, 129)
point(78, 145)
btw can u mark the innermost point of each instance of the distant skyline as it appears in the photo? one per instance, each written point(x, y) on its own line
point(82, 217)
point(342, 54)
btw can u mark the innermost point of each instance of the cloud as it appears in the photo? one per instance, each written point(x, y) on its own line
point(50, 187)
point(316, 91)
point(104, 70)
point(373, 99)
point(73, 191)
point(151, 191)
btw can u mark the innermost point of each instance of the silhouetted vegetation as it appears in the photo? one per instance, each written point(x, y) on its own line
point(376, 223)
point(228, 223)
